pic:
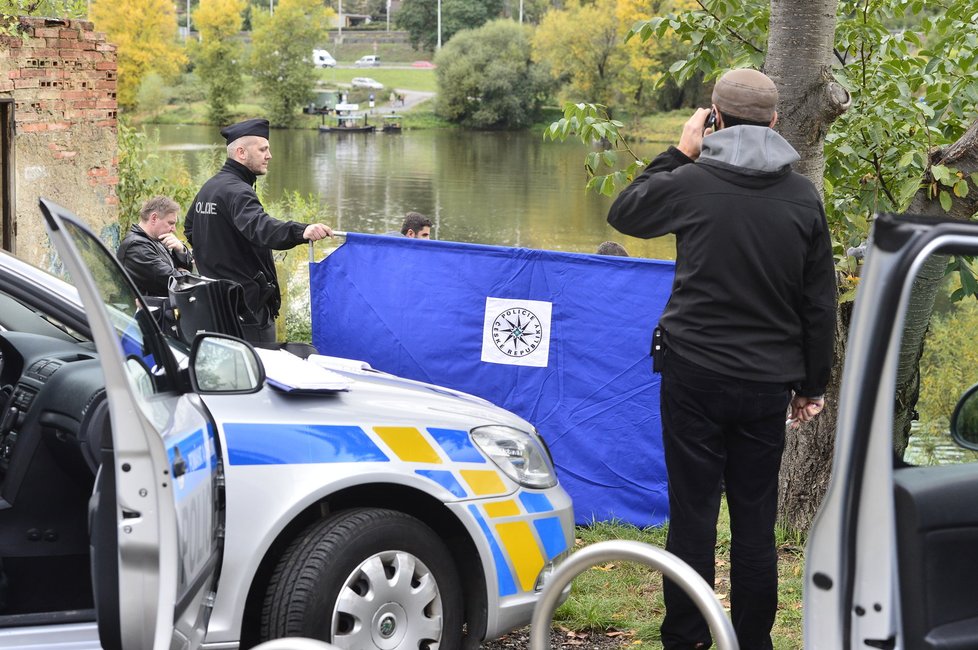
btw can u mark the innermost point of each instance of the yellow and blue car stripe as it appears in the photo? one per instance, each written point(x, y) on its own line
point(522, 530)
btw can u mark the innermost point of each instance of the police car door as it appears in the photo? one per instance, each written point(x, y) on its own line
point(154, 569)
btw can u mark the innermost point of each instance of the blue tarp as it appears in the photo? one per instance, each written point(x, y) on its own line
point(466, 316)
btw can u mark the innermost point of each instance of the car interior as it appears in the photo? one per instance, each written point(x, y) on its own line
point(54, 429)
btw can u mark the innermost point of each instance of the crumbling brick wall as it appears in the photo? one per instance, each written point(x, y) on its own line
point(62, 79)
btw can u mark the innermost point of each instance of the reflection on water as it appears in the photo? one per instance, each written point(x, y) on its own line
point(510, 189)
point(927, 448)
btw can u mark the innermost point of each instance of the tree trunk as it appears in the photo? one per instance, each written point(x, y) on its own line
point(807, 461)
point(799, 60)
point(808, 450)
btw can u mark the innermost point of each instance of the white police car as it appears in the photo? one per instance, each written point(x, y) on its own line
point(156, 496)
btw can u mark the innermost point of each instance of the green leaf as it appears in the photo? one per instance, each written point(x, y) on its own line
point(608, 185)
point(591, 161)
point(945, 201)
point(968, 282)
point(940, 173)
point(961, 188)
point(848, 296)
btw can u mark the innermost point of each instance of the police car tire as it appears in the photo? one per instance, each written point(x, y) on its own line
point(302, 593)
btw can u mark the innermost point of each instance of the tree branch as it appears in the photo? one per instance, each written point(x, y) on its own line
point(734, 34)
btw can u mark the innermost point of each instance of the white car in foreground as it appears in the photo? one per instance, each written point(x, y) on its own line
point(155, 495)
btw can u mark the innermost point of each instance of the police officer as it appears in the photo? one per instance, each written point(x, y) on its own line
point(233, 236)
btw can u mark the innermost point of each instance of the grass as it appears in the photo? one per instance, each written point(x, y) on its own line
point(420, 79)
point(627, 597)
point(390, 53)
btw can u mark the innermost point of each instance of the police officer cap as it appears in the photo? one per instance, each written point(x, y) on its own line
point(747, 94)
point(255, 126)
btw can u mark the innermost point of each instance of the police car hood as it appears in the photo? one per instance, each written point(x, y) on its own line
point(379, 397)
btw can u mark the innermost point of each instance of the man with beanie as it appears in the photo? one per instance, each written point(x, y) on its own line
point(747, 335)
point(233, 236)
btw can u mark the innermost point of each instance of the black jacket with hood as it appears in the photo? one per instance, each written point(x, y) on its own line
point(754, 293)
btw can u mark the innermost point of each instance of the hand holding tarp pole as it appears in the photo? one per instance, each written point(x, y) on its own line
point(312, 250)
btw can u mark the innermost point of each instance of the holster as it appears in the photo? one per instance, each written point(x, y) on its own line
point(267, 294)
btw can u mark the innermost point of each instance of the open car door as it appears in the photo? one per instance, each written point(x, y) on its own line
point(156, 512)
point(891, 556)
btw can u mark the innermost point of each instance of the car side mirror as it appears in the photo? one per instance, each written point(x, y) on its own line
point(964, 421)
point(224, 364)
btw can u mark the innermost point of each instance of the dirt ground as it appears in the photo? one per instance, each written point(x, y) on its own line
point(561, 638)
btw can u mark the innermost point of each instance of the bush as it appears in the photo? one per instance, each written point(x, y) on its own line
point(486, 79)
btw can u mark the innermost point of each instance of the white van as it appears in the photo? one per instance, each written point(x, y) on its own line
point(370, 60)
point(322, 59)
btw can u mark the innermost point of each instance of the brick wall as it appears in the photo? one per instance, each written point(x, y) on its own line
point(62, 79)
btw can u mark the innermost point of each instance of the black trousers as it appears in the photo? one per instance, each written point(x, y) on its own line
point(722, 433)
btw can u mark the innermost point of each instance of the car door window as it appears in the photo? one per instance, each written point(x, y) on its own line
point(948, 367)
point(128, 314)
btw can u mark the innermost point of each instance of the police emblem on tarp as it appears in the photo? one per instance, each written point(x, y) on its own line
point(517, 332)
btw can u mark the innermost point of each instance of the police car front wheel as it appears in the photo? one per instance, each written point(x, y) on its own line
point(367, 578)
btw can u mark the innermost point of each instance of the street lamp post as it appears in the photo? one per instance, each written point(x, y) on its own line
point(439, 25)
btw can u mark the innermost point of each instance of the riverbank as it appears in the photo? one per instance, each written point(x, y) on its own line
point(184, 102)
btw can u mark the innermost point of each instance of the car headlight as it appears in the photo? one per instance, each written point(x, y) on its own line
point(519, 454)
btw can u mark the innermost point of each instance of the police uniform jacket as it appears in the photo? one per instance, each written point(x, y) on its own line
point(233, 236)
point(150, 263)
point(754, 292)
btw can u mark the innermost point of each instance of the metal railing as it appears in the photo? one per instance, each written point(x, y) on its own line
point(671, 567)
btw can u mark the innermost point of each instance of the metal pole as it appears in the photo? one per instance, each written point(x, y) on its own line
point(339, 36)
point(312, 245)
point(671, 567)
point(521, 12)
point(388, 15)
point(188, 22)
point(439, 25)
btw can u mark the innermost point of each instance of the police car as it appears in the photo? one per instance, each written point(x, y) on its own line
point(157, 495)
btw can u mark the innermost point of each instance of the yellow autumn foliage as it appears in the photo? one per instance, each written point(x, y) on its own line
point(583, 45)
point(145, 34)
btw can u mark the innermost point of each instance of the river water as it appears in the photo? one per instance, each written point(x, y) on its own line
point(510, 189)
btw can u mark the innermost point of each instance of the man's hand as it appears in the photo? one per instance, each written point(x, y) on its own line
point(691, 141)
point(172, 243)
point(805, 409)
point(317, 231)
